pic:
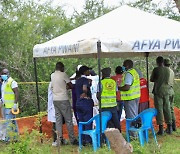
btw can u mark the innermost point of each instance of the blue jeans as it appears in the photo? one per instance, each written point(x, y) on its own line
point(11, 125)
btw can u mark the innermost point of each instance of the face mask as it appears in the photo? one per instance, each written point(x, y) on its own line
point(4, 77)
point(123, 68)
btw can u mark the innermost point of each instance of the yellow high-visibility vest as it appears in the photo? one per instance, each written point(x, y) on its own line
point(134, 91)
point(108, 95)
point(9, 96)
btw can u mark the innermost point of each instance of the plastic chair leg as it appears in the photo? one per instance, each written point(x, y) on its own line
point(127, 136)
point(108, 144)
point(141, 138)
point(94, 142)
point(146, 135)
point(98, 140)
point(154, 134)
point(80, 142)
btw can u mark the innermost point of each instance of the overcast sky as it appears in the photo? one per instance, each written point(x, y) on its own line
point(70, 5)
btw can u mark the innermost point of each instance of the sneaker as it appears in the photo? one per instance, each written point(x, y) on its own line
point(54, 144)
point(75, 142)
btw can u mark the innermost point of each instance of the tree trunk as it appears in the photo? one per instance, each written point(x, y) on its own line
point(177, 4)
point(117, 142)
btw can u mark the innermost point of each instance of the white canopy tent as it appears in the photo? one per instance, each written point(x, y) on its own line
point(123, 32)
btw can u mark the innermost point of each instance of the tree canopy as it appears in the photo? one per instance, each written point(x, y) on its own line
point(26, 23)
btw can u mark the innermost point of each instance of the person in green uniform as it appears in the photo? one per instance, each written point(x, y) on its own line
point(167, 63)
point(160, 77)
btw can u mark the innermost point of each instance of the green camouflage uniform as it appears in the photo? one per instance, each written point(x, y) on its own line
point(171, 93)
point(160, 77)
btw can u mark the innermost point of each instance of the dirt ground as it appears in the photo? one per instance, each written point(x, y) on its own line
point(29, 123)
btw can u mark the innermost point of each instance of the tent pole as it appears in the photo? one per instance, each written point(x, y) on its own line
point(99, 73)
point(37, 92)
point(147, 70)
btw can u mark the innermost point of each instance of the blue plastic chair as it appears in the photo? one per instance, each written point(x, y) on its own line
point(146, 117)
point(95, 133)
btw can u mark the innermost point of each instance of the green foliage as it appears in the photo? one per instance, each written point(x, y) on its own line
point(177, 94)
point(25, 24)
point(29, 143)
point(166, 144)
point(148, 6)
point(92, 10)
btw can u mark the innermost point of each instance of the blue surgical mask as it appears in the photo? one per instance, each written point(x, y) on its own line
point(4, 77)
point(123, 68)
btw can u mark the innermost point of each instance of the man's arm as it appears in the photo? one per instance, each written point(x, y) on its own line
point(69, 85)
point(124, 88)
point(15, 90)
point(99, 90)
point(152, 78)
point(128, 82)
point(85, 90)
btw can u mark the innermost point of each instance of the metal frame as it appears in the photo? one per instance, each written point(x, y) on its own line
point(99, 73)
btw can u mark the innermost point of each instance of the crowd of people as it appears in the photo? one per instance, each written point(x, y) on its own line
point(127, 90)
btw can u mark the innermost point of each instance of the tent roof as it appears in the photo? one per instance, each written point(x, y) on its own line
point(123, 32)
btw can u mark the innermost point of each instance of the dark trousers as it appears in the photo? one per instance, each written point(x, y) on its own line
point(85, 112)
point(143, 106)
point(54, 132)
point(114, 121)
point(120, 105)
point(74, 99)
point(162, 105)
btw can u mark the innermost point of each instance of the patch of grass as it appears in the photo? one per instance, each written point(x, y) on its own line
point(167, 144)
point(30, 144)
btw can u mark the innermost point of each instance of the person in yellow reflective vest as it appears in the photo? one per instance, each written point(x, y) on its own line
point(108, 97)
point(10, 96)
point(130, 90)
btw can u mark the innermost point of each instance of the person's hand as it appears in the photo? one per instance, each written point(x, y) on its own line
point(84, 95)
point(15, 107)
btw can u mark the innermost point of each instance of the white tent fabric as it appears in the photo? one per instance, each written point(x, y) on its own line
point(123, 32)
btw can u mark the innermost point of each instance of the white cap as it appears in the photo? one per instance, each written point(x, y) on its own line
point(78, 67)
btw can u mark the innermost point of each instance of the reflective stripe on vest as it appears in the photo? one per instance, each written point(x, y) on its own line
point(134, 91)
point(9, 95)
point(108, 95)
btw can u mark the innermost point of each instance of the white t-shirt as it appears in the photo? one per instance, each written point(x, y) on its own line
point(95, 81)
point(13, 85)
point(59, 81)
point(51, 110)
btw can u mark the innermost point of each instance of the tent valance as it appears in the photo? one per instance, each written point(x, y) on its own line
point(123, 32)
